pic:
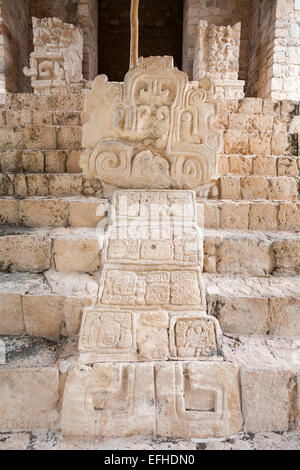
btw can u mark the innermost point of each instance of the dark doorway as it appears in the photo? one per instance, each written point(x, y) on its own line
point(161, 31)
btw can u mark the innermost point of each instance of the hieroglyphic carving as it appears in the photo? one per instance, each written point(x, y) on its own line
point(108, 335)
point(56, 63)
point(217, 56)
point(151, 288)
point(194, 336)
point(155, 130)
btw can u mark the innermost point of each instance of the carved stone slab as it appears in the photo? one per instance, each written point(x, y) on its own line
point(155, 130)
point(173, 399)
point(56, 62)
point(131, 335)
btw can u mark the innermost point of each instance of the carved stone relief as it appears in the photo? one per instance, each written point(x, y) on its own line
point(56, 62)
point(155, 130)
point(217, 56)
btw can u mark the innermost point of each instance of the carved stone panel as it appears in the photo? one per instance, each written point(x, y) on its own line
point(155, 130)
point(197, 399)
point(138, 335)
point(217, 56)
point(56, 62)
point(179, 399)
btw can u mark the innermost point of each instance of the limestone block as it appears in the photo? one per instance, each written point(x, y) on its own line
point(240, 165)
point(211, 213)
point(287, 167)
point(261, 122)
point(63, 118)
point(65, 185)
point(84, 213)
point(260, 144)
point(287, 256)
point(18, 118)
point(109, 400)
point(264, 166)
point(25, 253)
point(283, 188)
point(43, 213)
point(289, 216)
point(55, 161)
point(197, 400)
point(76, 254)
point(22, 186)
point(285, 317)
point(41, 118)
point(9, 212)
point(234, 216)
point(238, 121)
point(244, 256)
point(35, 185)
point(73, 162)
point(223, 165)
point(230, 188)
point(254, 187)
point(6, 185)
point(236, 142)
point(11, 316)
point(170, 142)
point(263, 217)
point(43, 316)
point(250, 106)
point(265, 400)
point(240, 315)
point(28, 399)
point(69, 137)
point(280, 144)
point(38, 138)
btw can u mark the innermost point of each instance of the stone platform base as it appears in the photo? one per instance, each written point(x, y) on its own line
point(53, 440)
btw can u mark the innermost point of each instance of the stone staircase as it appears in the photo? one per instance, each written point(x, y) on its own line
point(50, 261)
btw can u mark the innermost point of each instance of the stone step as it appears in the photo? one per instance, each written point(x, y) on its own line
point(77, 250)
point(38, 161)
point(255, 305)
point(251, 253)
point(40, 137)
point(272, 188)
point(27, 117)
point(251, 215)
point(59, 161)
point(28, 101)
point(50, 305)
point(48, 184)
point(266, 165)
point(236, 188)
point(81, 211)
point(267, 385)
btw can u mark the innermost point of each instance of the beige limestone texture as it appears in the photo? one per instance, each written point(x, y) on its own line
point(29, 399)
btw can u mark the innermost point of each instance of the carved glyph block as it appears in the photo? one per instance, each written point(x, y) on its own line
point(56, 62)
point(155, 130)
point(217, 53)
point(133, 335)
point(173, 399)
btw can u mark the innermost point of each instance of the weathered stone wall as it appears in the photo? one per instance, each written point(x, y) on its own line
point(13, 45)
point(82, 13)
point(261, 47)
point(219, 13)
point(274, 64)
